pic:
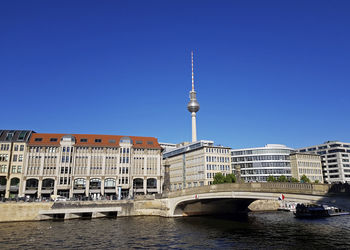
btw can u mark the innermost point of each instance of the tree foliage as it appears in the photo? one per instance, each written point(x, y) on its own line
point(282, 178)
point(317, 181)
point(304, 179)
point(295, 180)
point(271, 178)
point(230, 178)
point(220, 178)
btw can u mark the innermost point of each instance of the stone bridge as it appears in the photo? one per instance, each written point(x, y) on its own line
point(235, 197)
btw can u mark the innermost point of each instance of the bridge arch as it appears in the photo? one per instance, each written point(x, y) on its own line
point(238, 196)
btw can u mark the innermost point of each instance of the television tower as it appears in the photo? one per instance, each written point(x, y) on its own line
point(193, 105)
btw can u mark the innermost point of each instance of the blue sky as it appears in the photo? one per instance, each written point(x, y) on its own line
point(265, 71)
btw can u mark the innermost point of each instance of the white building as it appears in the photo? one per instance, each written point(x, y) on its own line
point(195, 164)
point(306, 164)
point(257, 164)
point(335, 160)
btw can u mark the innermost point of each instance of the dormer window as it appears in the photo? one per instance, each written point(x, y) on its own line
point(83, 140)
point(53, 139)
point(98, 140)
point(38, 139)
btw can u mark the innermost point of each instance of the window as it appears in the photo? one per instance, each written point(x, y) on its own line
point(19, 169)
point(21, 147)
point(150, 142)
point(98, 140)
point(38, 139)
point(3, 169)
point(13, 169)
point(53, 139)
point(22, 135)
point(20, 158)
point(83, 140)
point(138, 142)
point(16, 148)
point(111, 141)
point(14, 157)
point(9, 136)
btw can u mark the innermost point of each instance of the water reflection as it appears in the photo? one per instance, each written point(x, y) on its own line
point(256, 230)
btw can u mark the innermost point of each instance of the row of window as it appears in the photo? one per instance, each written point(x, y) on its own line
point(217, 159)
point(218, 167)
point(17, 157)
point(217, 150)
point(262, 158)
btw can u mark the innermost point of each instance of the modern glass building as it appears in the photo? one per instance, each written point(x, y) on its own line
point(257, 164)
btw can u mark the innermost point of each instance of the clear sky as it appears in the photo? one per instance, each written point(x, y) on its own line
point(265, 71)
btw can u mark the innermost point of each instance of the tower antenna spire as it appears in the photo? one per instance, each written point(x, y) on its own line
point(192, 71)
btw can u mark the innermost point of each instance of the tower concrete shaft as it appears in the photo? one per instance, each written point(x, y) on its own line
point(194, 128)
point(193, 106)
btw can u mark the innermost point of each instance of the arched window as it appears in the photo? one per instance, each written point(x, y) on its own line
point(79, 183)
point(95, 183)
point(138, 183)
point(15, 182)
point(152, 183)
point(32, 184)
point(48, 183)
point(3, 181)
point(110, 183)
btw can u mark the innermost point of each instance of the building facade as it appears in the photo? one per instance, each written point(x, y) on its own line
point(80, 165)
point(306, 164)
point(195, 164)
point(13, 145)
point(257, 164)
point(335, 157)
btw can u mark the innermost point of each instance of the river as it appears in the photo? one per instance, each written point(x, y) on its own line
point(263, 230)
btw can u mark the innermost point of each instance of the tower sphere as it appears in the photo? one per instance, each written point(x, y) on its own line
point(193, 105)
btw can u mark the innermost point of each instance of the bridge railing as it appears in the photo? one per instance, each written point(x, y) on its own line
point(270, 187)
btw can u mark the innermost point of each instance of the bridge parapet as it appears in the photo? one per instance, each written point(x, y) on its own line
point(271, 187)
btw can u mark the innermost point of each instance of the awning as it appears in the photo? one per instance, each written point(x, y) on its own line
point(45, 191)
point(152, 190)
point(95, 191)
point(31, 191)
point(14, 188)
point(110, 191)
point(79, 191)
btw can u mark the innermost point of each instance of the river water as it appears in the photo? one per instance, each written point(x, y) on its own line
point(259, 230)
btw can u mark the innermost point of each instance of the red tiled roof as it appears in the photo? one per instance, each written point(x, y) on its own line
point(147, 142)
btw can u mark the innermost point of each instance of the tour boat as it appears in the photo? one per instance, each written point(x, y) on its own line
point(317, 211)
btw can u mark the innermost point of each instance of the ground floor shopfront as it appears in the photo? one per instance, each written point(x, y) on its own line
point(82, 188)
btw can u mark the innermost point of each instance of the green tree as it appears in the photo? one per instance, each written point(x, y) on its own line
point(230, 178)
point(294, 180)
point(304, 179)
point(317, 181)
point(271, 179)
point(219, 178)
point(282, 178)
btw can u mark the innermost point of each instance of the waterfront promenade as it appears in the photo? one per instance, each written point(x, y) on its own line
point(213, 199)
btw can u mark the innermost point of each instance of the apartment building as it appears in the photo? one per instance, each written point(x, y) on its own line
point(13, 145)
